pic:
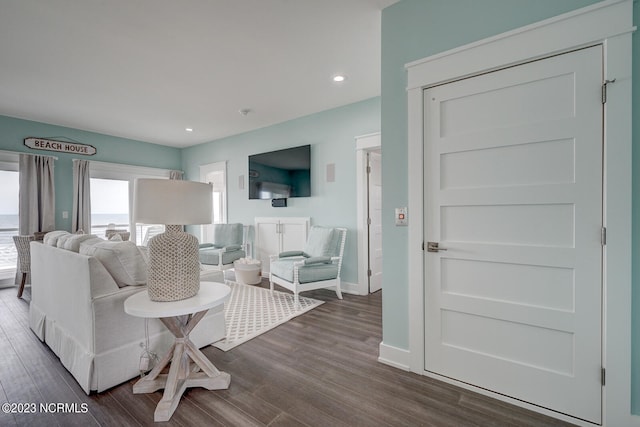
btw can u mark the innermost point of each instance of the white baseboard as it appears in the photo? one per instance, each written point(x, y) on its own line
point(351, 288)
point(394, 356)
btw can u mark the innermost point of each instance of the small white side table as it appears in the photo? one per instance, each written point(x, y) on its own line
point(180, 317)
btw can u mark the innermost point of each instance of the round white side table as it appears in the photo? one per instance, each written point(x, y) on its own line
point(180, 317)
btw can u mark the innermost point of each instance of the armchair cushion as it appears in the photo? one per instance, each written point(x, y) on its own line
point(227, 234)
point(322, 241)
point(315, 272)
point(317, 260)
point(211, 255)
point(287, 254)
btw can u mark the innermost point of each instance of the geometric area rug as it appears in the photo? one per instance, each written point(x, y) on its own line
point(252, 310)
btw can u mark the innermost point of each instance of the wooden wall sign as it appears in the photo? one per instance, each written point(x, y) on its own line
point(60, 146)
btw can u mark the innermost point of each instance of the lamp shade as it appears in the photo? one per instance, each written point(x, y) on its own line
point(167, 201)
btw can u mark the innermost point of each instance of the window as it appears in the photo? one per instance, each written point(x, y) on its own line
point(112, 199)
point(8, 215)
point(109, 205)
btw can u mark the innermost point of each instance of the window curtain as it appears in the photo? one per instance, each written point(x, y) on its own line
point(37, 196)
point(176, 175)
point(81, 214)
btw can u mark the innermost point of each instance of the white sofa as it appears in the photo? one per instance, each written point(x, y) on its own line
point(77, 309)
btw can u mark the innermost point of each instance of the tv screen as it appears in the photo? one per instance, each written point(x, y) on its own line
point(280, 174)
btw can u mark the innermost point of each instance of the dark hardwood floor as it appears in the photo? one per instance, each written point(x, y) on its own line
point(319, 369)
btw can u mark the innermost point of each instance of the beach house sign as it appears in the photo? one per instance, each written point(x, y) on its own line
point(60, 146)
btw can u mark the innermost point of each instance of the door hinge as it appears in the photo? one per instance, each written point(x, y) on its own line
point(604, 90)
point(603, 376)
point(369, 272)
point(603, 236)
point(368, 221)
point(368, 169)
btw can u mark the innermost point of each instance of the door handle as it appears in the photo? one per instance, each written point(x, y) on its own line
point(434, 247)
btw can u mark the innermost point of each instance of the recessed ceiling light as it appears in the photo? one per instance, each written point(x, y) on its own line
point(189, 129)
point(339, 78)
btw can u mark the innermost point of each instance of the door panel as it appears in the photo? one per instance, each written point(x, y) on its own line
point(513, 192)
point(375, 217)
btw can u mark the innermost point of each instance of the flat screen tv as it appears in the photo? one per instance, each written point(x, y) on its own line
point(280, 174)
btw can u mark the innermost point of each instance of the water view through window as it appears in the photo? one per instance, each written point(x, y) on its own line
point(8, 222)
point(109, 205)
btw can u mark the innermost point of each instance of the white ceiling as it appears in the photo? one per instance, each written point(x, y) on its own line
point(147, 69)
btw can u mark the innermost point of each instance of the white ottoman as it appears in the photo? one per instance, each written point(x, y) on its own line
point(248, 271)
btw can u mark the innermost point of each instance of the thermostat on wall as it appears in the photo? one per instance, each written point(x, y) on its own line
point(401, 216)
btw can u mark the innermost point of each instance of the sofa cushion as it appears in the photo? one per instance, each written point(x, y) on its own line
point(122, 260)
point(73, 242)
point(51, 238)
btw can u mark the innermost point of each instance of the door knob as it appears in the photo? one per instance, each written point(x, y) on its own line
point(434, 247)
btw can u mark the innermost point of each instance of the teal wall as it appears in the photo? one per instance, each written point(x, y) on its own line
point(331, 135)
point(415, 29)
point(109, 149)
point(635, 255)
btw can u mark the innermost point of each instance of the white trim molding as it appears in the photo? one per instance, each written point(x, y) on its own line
point(351, 288)
point(394, 356)
point(610, 24)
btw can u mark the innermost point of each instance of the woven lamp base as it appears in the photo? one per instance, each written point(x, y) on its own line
point(174, 266)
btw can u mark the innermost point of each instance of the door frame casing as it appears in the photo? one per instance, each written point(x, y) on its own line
point(204, 171)
point(364, 145)
point(608, 23)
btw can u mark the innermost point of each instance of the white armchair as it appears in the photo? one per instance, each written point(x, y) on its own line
point(316, 267)
point(227, 247)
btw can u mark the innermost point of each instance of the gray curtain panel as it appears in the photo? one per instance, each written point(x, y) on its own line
point(81, 215)
point(37, 196)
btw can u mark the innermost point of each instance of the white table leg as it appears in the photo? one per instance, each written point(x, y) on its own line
point(180, 374)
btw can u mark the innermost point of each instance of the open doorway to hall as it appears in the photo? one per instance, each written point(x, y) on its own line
point(369, 188)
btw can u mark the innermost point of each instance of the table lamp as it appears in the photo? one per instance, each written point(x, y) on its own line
point(174, 266)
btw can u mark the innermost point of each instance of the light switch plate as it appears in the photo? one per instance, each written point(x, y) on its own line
point(401, 216)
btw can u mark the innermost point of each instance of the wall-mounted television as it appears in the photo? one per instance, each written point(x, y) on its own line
point(280, 174)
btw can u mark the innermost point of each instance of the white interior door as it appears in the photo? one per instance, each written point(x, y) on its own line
point(374, 191)
point(513, 183)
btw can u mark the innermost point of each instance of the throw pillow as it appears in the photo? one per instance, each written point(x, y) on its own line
point(122, 260)
point(51, 238)
point(73, 242)
point(63, 239)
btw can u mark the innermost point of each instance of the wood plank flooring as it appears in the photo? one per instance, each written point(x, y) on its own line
point(320, 369)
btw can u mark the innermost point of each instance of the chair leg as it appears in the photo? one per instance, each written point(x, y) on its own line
point(22, 282)
point(338, 292)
